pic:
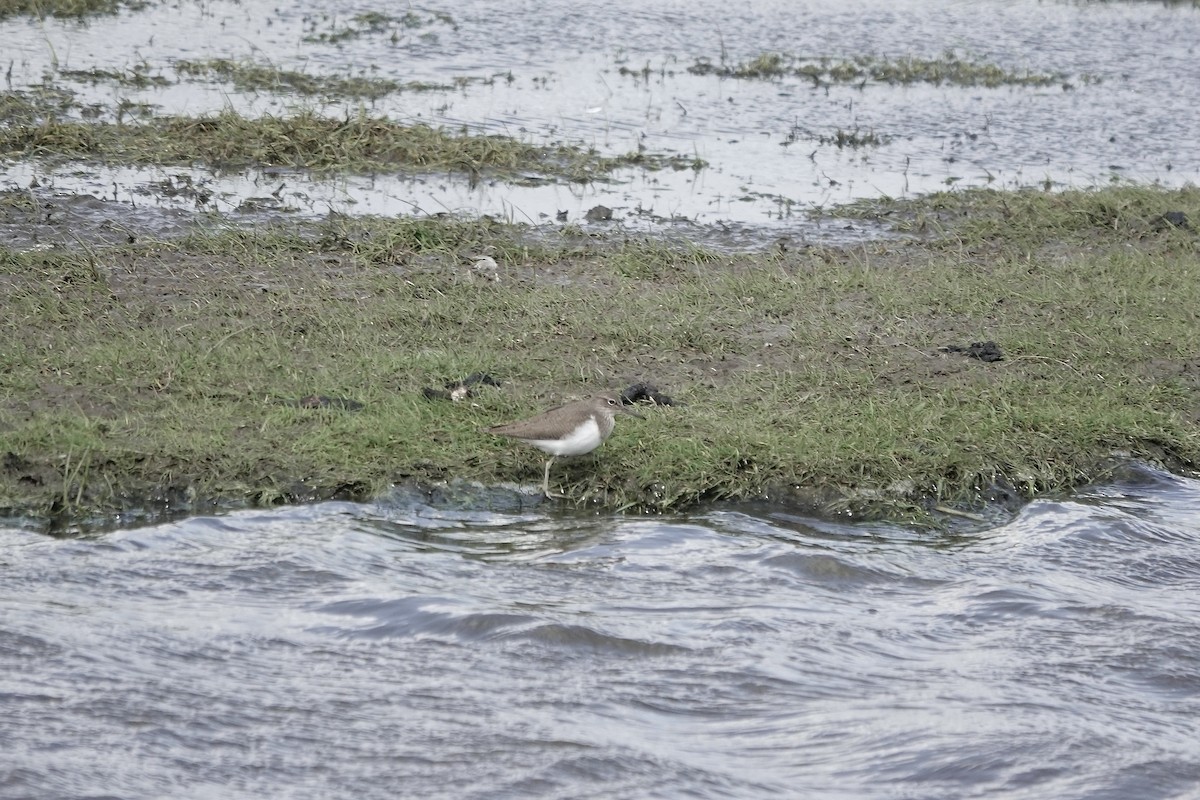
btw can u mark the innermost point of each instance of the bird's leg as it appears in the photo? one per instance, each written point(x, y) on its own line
point(546, 483)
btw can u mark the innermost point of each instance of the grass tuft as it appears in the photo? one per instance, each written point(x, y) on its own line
point(76, 9)
point(251, 77)
point(950, 69)
point(307, 140)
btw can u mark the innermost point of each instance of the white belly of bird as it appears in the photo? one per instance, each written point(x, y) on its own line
point(584, 439)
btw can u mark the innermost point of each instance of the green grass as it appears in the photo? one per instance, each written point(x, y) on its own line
point(171, 365)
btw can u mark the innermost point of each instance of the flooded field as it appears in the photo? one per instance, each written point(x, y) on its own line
point(1088, 93)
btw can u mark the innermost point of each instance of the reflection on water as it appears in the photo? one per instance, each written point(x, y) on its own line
point(399, 650)
point(614, 76)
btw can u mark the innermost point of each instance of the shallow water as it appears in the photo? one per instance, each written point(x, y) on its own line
point(554, 70)
point(396, 649)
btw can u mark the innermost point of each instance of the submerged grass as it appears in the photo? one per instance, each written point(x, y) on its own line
point(34, 106)
point(248, 76)
point(178, 366)
point(855, 138)
point(251, 77)
point(1030, 218)
point(374, 23)
point(308, 140)
point(65, 8)
point(950, 69)
point(137, 77)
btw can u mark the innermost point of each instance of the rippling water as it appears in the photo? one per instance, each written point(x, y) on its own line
point(400, 650)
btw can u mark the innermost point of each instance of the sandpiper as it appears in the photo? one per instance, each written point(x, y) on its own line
point(569, 430)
